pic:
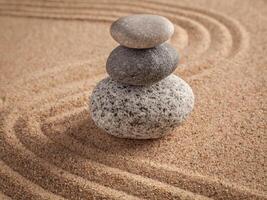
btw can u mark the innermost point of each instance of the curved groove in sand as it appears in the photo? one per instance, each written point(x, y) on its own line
point(176, 177)
point(40, 143)
point(152, 5)
point(205, 34)
point(239, 34)
point(37, 145)
point(40, 172)
point(110, 177)
point(198, 181)
point(197, 31)
point(222, 37)
point(199, 184)
point(28, 189)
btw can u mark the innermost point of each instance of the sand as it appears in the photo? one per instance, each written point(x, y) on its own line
point(54, 52)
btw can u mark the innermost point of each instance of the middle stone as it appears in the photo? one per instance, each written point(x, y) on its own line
point(142, 66)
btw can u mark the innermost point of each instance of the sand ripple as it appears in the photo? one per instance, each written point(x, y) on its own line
point(45, 156)
point(42, 143)
point(201, 36)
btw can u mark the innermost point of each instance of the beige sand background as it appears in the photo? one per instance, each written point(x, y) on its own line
point(52, 54)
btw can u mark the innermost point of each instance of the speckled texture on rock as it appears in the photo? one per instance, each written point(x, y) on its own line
point(142, 66)
point(140, 112)
point(142, 30)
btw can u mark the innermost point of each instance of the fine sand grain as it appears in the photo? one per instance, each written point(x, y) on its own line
point(52, 54)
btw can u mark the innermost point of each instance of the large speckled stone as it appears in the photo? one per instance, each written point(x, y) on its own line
point(142, 66)
point(140, 112)
point(142, 30)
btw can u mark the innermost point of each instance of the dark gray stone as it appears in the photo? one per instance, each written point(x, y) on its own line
point(140, 112)
point(142, 66)
point(141, 31)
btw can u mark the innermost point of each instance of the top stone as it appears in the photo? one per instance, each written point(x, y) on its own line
point(141, 31)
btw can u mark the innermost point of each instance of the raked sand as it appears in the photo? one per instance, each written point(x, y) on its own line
point(52, 54)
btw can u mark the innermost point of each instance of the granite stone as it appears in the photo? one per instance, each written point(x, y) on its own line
point(142, 30)
point(141, 112)
point(142, 66)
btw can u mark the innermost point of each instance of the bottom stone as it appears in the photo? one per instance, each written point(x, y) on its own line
point(141, 112)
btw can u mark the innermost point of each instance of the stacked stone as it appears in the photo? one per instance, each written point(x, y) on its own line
point(141, 99)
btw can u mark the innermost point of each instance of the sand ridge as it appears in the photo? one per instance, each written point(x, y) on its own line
point(213, 36)
point(50, 148)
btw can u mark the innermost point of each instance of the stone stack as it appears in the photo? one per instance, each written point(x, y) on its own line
point(141, 99)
